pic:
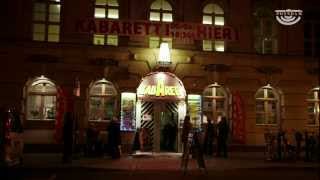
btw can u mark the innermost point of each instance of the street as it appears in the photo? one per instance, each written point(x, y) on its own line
point(159, 167)
point(97, 174)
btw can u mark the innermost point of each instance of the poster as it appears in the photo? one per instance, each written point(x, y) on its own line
point(194, 109)
point(128, 101)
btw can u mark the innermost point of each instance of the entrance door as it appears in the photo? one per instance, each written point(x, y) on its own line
point(168, 127)
point(160, 125)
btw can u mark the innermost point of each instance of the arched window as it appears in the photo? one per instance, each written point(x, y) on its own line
point(160, 10)
point(215, 101)
point(41, 99)
point(265, 30)
point(313, 106)
point(102, 100)
point(213, 14)
point(108, 9)
point(267, 105)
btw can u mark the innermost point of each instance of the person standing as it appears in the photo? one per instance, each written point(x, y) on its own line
point(185, 132)
point(67, 137)
point(223, 131)
point(209, 138)
point(280, 136)
point(186, 129)
point(312, 146)
point(16, 134)
point(3, 119)
point(307, 146)
point(172, 136)
point(298, 138)
point(114, 138)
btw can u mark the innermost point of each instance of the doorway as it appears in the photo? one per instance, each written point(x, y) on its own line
point(161, 125)
point(168, 127)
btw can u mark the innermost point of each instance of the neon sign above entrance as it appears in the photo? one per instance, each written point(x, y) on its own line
point(161, 85)
point(161, 89)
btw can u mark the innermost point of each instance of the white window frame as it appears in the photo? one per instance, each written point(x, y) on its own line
point(154, 42)
point(214, 99)
point(261, 36)
point(46, 22)
point(266, 108)
point(213, 45)
point(42, 95)
point(103, 97)
point(110, 40)
point(315, 92)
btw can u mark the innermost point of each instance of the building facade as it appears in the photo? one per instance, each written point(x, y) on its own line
point(272, 67)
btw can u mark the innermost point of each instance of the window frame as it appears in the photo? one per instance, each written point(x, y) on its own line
point(316, 105)
point(261, 17)
point(214, 100)
point(42, 95)
point(102, 97)
point(107, 39)
point(46, 22)
point(267, 111)
point(161, 12)
point(213, 16)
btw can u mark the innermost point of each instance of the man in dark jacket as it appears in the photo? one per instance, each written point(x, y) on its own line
point(298, 137)
point(223, 129)
point(3, 118)
point(114, 138)
point(67, 137)
point(209, 138)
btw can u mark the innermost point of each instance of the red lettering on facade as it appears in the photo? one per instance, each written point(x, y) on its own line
point(227, 34)
point(92, 27)
point(115, 28)
point(147, 28)
point(126, 28)
point(217, 33)
point(157, 29)
point(176, 30)
point(201, 32)
point(103, 27)
point(137, 28)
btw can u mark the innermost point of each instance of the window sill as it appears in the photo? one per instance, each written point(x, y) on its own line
point(97, 121)
point(312, 125)
point(275, 125)
point(39, 124)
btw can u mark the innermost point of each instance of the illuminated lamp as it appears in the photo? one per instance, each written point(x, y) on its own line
point(164, 54)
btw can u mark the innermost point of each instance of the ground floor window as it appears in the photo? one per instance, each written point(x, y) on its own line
point(102, 100)
point(313, 106)
point(41, 99)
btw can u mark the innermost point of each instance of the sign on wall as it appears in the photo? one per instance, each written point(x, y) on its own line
point(161, 85)
point(288, 16)
point(194, 109)
point(128, 101)
point(175, 30)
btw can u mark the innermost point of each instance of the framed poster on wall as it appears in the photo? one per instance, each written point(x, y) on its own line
point(194, 109)
point(128, 117)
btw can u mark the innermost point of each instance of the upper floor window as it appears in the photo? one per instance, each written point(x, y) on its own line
point(106, 9)
point(267, 105)
point(160, 10)
point(102, 98)
point(46, 20)
point(214, 15)
point(41, 99)
point(311, 34)
point(265, 31)
point(313, 106)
